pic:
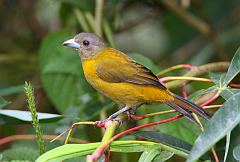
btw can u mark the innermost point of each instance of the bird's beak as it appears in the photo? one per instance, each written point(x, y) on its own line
point(71, 43)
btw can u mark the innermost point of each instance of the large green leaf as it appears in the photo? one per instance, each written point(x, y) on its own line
point(222, 122)
point(165, 139)
point(16, 116)
point(233, 69)
point(75, 150)
point(11, 90)
point(18, 154)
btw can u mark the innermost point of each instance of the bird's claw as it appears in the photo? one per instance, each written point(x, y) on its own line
point(131, 112)
point(102, 123)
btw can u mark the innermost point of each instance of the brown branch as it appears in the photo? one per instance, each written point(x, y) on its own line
point(13, 138)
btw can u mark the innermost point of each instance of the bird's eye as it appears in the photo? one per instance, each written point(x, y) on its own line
point(85, 42)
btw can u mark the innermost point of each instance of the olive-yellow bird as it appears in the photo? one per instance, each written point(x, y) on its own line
point(123, 80)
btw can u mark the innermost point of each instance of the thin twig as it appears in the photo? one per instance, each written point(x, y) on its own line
point(211, 99)
point(181, 66)
point(215, 154)
point(13, 138)
point(168, 78)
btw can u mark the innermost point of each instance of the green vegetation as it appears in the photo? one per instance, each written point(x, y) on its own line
point(192, 46)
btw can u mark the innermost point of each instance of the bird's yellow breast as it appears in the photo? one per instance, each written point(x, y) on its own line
point(126, 93)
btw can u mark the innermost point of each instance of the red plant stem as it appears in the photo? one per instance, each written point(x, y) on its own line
point(12, 138)
point(187, 66)
point(181, 66)
point(235, 85)
point(107, 156)
point(135, 117)
point(215, 155)
point(100, 151)
point(184, 93)
point(211, 99)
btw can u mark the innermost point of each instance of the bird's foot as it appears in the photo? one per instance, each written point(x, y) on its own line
point(104, 123)
point(131, 112)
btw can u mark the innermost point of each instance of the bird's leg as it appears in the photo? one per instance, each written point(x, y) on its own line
point(114, 115)
point(130, 112)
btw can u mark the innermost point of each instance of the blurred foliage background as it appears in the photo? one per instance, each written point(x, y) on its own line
point(154, 32)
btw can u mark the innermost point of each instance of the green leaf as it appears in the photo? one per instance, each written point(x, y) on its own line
point(16, 116)
point(222, 122)
point(236, 153)
point(218, 78)
point(227, 92)
point(163, 156)
point(149, 154)
point(131, 147)
point(201, 92)
point(20, 154)
point(3, 102)
point(233, 69)
point(11, 90)
point(86, 5)
point(165, 139)
point(186, 130)
point(227, 146)
point(234, 142)
point(75, 150)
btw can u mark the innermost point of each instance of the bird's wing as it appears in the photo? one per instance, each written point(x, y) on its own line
point(121, 68)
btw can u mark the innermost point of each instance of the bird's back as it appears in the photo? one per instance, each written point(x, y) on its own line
point(123, 80)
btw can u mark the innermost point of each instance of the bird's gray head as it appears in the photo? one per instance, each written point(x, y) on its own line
point(87, 44)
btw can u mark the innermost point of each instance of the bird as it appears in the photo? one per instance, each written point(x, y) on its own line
point(125, 81)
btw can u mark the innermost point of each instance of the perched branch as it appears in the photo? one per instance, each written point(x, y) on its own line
point(106, 141)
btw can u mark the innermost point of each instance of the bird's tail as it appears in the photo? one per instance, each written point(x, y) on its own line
point(186, 108)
